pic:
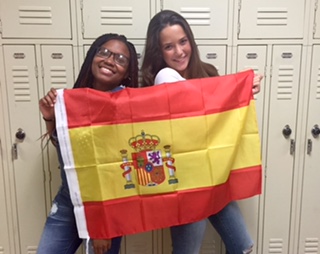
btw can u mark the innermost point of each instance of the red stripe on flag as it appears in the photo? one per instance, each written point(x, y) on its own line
point(168, 101)
point(144, 213)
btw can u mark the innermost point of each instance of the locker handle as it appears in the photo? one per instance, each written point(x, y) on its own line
point(286, 131)
point(309, 148)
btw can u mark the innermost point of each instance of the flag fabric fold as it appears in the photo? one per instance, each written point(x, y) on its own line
point(150, 158)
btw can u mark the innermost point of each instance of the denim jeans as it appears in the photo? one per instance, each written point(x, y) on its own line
point(230, 225)
point(60, 235)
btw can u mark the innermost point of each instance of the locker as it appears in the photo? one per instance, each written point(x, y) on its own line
point(271, 19)
point(36, 19)
point(22, 90)
point(57, 66)
point(215, 55)
point(115, 16)
point(208, 18)
point(255, 57)
point(316, 22)
point(309, 238)
point(4, 218)
point(280, 154)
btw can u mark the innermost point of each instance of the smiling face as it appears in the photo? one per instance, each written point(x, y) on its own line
point(176, 48)
point(109, 74)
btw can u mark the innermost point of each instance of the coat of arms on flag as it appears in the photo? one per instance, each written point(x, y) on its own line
point(163, 155)
point(148, 162)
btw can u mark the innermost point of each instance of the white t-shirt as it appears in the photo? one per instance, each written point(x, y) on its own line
point(167, 75)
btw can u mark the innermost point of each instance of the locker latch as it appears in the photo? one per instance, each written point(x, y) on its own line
point(292, 146)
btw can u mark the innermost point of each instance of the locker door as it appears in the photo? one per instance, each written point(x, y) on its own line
point(130, 18)
point(310, 208)
point(58, 72)
point(216, 55)
point(36, 19)
point(208, 18)
point(271, 19)
point(22, 92)
point(316, 33)
point(253, 57)
point(212, 243)
point(280, 155)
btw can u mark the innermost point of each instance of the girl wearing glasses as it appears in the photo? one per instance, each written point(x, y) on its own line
point(110, 65)
point(170, 41)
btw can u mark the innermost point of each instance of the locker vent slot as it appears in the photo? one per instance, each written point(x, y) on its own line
point(285, 82)
point(318, 85)
point(35, 15)
point(197, 16)
point(210, 247)
point(58, 76)
point(311, 246)
point(21, 83)
point(116, 15)
point(31, 249)
point(275, 245)
point(272, 16)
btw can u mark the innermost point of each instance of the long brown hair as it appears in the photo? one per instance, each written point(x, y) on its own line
point(153, 60)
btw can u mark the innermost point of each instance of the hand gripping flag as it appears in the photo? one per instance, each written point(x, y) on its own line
point(149, 158)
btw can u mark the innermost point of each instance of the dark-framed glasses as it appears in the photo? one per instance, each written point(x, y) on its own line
point(118, 58)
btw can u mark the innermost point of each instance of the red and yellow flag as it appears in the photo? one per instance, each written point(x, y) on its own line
point(149, 158)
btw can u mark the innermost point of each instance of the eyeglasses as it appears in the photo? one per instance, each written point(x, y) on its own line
point(118, 58)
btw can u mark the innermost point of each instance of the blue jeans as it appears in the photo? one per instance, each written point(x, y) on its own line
point(230, 225)
point(60, 235)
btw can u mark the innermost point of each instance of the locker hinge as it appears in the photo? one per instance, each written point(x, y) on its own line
point(81, 5)
point(239, 5)
point(161, 5)
point(42, 72)
point(239, 27)
point(314, 28)
point(316, 5)
point(0, 26)
point(36, 71)
point(82, 28)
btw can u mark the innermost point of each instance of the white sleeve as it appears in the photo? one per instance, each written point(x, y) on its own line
point(167, 75)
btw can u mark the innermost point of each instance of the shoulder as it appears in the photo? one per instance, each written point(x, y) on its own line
point(167, 75)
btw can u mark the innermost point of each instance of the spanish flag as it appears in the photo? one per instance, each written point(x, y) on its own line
point(150, 158)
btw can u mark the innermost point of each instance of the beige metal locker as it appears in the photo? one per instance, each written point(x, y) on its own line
point(4, 218)
point(208, 18)
point(280, 155)
point(35, 19)
point(316, 21)
point(216, 55)
point(309, 236)
point(27, 166)
point(115, 16)
point(271, 19)
point(57, 71)
point(254, 57)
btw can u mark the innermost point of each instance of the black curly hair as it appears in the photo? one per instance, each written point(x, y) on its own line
point(86, 78)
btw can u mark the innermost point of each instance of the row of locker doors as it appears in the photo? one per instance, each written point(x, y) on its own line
point(287, 210)
point(209, 19)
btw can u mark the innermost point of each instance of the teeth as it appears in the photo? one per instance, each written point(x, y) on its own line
point(106, 70)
